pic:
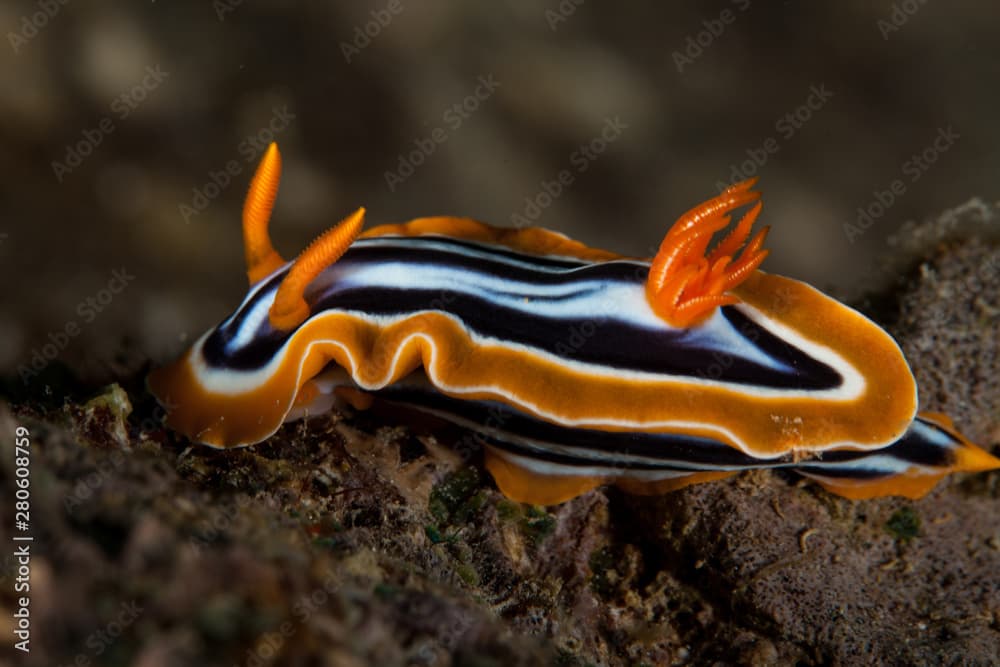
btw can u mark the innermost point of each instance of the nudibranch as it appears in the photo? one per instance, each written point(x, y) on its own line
point(577, 367)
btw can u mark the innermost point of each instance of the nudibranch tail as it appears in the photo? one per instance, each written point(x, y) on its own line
point(931, 449)
point(969, 457)
point(289, 308)
point(685, 285)
point(261, 257)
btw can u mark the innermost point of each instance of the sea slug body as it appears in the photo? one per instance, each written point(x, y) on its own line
point(577, 366)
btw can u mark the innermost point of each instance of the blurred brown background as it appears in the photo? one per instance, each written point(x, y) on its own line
point(115, 116)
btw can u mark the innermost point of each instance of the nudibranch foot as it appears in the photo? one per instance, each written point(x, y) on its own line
point(536, 462)
point(522, 484)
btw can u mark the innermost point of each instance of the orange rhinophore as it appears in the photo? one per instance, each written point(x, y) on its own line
point(262, 259)
point(289, 308)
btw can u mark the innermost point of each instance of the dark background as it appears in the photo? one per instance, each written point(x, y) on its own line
point(891, 90)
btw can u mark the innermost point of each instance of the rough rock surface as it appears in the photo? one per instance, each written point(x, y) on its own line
point(349, 540)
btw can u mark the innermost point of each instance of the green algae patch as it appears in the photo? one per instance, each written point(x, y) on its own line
point(537, 524)
point(456, 497)
point(904, 524)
